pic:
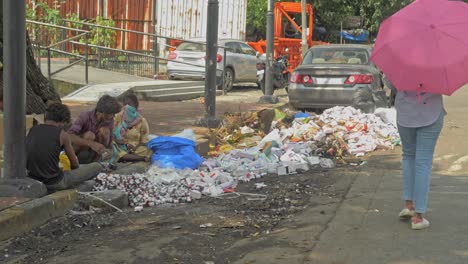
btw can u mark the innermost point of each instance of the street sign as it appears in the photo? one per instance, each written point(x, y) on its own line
point(351, 22)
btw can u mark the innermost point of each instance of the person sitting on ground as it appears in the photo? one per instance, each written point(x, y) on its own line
point(91, 134)
point(131, 133)
point(44, 143)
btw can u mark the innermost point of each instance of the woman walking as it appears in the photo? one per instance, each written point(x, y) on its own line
point(420, 119)
point(419, 50)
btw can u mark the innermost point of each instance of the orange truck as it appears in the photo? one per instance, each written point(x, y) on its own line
point(290, 47)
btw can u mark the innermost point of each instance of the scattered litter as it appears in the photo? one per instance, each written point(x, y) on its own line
point(247, 130)
point(100, 199)
point(196, 195)
point(327, 163)
point(247, 149)
point(138, 208)
point(260, 185)
point(206, 225)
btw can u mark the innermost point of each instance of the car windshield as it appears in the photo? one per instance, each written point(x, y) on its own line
point(336, 56)
point(190, 46)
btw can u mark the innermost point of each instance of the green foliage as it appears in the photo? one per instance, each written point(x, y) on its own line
point(40, 11)
point(103, 36)
point(332, 12)
point(375, 11)
point(74, 18)
point(51, 15)
point(256, 14)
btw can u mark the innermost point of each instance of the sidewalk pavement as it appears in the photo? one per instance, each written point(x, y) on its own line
point(21, 215)
point(366, 228)
point(28, 214)
point(76, 74)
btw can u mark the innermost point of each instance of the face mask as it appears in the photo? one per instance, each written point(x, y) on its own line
point(131, 113)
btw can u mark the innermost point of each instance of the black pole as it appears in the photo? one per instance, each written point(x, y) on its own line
point(86, 58)
point(156, 59)
point(269, 98)
point(155, 43)
point(211, 64)
point(14, 76)
point(13, 181)
point(270, 48)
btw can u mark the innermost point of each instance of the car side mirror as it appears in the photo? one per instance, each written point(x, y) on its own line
point(257, 54)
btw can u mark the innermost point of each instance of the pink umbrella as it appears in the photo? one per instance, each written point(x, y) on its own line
point(424, 47)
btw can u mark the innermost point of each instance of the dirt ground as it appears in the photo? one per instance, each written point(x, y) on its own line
point(211, 230)
point(165, 118)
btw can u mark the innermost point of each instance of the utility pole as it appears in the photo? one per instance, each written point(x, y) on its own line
point(155, 42)
point(211, 63)
point(269, 98)
point(13, 182)
point(341, 32)
point(305, 45)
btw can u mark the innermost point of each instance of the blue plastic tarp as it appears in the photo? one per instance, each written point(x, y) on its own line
point(357, 38)
point(301, 115)
point(174, 152)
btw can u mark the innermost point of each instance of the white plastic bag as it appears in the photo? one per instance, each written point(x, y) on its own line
point(187, 134)
point(274, 136)
point(388, 115)
point(327, 163)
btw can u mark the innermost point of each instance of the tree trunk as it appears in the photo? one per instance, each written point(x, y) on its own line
point(39, 91)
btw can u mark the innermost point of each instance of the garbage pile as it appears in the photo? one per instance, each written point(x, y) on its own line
point(337, 133)
point(296, 143)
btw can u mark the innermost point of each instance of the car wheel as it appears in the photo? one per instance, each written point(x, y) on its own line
point(228, 79)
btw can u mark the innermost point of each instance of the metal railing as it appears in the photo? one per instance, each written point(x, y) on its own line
point(155, 46)
point(142, 63)
point(52, 48)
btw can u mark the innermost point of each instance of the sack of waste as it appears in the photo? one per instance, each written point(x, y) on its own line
point(174, 152)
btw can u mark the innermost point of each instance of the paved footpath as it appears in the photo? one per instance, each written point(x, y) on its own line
point(366, 228)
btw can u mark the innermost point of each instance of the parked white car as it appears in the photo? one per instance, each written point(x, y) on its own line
point(241, 62)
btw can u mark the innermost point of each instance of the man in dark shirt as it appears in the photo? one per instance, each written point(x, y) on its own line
point(44, 144)
point(91, 134)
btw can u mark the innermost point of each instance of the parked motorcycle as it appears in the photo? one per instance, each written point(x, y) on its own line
point(280, 73)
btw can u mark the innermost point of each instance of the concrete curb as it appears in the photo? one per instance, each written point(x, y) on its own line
point(24, 217)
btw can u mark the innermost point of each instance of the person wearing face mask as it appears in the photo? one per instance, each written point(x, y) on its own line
point(91, 134)
point(130, 133)
point(44, 143)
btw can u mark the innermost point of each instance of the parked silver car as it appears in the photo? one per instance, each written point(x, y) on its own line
point(331, 75)
point(241, 61)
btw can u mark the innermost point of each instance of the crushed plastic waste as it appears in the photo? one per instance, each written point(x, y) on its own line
point(327, 163)
point(244, 153)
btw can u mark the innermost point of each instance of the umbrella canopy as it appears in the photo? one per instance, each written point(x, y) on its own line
point(424, 47)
